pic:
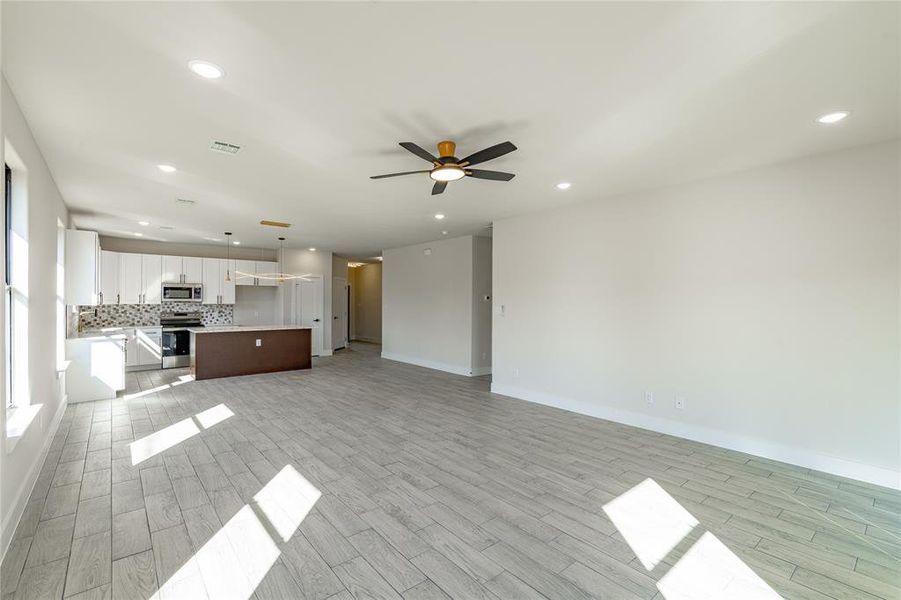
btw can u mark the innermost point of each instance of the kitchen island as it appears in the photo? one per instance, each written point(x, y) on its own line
point(227, 351)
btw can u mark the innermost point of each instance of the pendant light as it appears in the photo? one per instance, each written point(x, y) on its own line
point(228, 246)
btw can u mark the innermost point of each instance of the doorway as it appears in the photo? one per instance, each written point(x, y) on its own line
point(308, 306)
point(339, 313)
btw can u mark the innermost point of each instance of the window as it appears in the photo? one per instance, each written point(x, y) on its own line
point(16, 280)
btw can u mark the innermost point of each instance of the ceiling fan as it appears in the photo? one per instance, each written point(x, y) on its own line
point(446, 167)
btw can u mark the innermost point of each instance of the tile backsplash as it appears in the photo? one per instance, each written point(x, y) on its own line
point(145, 315)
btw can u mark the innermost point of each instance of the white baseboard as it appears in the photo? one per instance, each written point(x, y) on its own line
point(367, 339)
point(478, 371)
point(429, 364)
point(11, 519)
point(715, 437)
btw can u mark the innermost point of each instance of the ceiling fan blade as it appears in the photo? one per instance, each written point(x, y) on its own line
point(438, 188)
point(420, 152)
point(488, 154)
point(398, 174)
point(493, 175)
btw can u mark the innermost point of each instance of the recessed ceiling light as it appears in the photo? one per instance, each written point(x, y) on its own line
point(205, 69)
point(378, 258)
point(833, 117)
point(139, 234)
point(312, 249)
point(143, 223)
point(213, 239)
point(563, 185)
point(166, 168)
point(236, 243)
point(444, 232)
point(439, 216)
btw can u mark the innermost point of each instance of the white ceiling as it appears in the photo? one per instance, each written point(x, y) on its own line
point(612, 97)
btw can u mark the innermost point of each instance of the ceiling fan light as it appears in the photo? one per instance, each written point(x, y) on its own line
point(447, 173)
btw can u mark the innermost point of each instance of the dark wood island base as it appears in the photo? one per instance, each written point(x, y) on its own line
point(232, 351)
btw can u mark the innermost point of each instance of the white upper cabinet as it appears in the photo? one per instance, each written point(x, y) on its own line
point(82, 267)
point(246, 270)
point(172, 269)
point(192, 269)
point(266, 267)
point(152, 278)
point(215, 289)
point(131, 282)
point(109, 277)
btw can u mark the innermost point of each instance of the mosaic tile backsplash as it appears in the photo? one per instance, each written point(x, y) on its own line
point(146, 315)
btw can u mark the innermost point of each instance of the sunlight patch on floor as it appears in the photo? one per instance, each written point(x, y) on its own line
point(286, 500)
point(650, 520)
point(161, 440)
point(214, 415)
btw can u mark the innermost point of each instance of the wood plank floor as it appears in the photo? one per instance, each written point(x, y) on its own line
point(366, 478)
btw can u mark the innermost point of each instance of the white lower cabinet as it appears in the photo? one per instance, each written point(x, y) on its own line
point(143, 348)
point(97, 367)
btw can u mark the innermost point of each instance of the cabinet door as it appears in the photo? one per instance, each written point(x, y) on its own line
point(150, 348)
point(82, 266)
point(152, 278)
point(131, 285)
point(132, 351)
point(246, 271)
point(227, 287)
point(172, 269)
point(212, 286)
point(269, 268)
point(109, 277)
point(192, 269)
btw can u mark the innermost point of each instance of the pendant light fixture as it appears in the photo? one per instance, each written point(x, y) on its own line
point(228, 246)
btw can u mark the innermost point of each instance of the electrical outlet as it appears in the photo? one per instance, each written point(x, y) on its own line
point(679, 402)
point(649, 397)
point(516, 372)
point(259, 343)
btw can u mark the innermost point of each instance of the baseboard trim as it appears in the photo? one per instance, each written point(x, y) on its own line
point(479, 371)
point(367, 339)
point(715, 437)
point(429, 364)
point(11, 521)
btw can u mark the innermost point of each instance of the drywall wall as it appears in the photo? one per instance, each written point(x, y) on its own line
point(366, 313)
point(19, 468)
point(427, 303)
point(116, 244)
point(303, 262)
point(258, 305)
point(481, 305)
point(767, 299)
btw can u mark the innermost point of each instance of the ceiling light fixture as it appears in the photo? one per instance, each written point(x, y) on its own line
point(379, 258)
point(279, 276)
point(444, 232)
point(236, 243)
point(138, 234)
point(228, 275)
point(205, 69)
point(166, 168)
point(312, 249)
point(563, 185)
point(447, 173)
point(439, 216)
point(833, 117)
point(143, 223)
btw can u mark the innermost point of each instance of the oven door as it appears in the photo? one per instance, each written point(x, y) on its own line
point(176, 348)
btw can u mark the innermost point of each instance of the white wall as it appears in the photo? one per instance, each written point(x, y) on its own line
point(481, 308)
point(427, 304)
point(769, 299)
point(300, 262)
point(19, 468)
point(258, 305)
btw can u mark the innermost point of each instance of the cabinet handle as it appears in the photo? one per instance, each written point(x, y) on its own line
point(101, 297)
point(118, 298)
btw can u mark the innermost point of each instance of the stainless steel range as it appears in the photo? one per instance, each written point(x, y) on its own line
point(176, 338)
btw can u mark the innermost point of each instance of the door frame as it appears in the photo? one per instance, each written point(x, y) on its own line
point(337, 300)
point(298, 321)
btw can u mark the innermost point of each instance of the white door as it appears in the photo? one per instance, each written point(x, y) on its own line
point(308, 304)
point(267, 267)
point(192, 269)
point(212, 280)
point(109, 277)
point(226, 288)
point(131, 285)
point(152, 278)
point(246, 270)
point(172, 269)
point(339, 313)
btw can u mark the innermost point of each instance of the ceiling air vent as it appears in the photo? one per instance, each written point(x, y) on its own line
point(167, 227)
point(185, 202)
point(224, 147)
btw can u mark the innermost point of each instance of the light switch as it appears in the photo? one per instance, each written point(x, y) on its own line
point(259, 343)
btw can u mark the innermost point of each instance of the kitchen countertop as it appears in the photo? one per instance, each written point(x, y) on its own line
point(240, 328)
point(107, 332)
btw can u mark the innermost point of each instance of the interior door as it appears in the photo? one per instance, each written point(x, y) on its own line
point(192, 269)
point(131, 286)
point(308, 304)
point(339, 312)
point(152, 277)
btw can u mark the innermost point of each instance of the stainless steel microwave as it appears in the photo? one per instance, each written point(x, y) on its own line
point(182, 292)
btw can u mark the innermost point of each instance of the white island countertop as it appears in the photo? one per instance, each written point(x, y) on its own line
point(243, 328)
